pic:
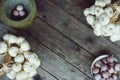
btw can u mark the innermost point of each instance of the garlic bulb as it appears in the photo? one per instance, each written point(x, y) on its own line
point(92, 10)
point(3, 47)
point(19, 58)
point(86, 12)
point(25, 46)
point(28, 67)
point(104, 68)
point(109, 11)
point(20, 40)
point(115, 37)
point(97, 77)
point(13, 51)
point(104, 19)
point(105, 74)
point(21, 75)
point(98, 11)
point(117, 67)
point(90, 19)
point(16, 67)
point(100, 3)
point(11, 75)
point(33, 73)
point(95, 70)
point(111, 70)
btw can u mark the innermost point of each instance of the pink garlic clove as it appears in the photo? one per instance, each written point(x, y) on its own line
point(111, 70)
point(104, 68)
point(105, 74)
point(110, 78)
point(112, 64)
point(97, 77)
point(110, 59)
point(104, 61)
point(95, 70)
point(15, 13)
point(114, 77)
point(117, 67)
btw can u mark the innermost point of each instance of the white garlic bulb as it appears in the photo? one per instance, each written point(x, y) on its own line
point(25, 46)
point(19, 58)
point(86, 12)
point(11, 75)
point(16, 67)
point(13, 51)
point(33, 73)
point(90, 19)
point(3, 47)
point(100, 3)
point(98, 11)
point(109, 11)
point(20, 40)
point(21, 75)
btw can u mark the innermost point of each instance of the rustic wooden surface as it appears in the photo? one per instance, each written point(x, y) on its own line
point(63, 40)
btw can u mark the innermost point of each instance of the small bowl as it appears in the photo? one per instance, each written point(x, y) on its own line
point(99, 58)
point(8, 5)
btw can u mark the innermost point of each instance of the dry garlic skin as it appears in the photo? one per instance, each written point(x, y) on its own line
point(3, 47)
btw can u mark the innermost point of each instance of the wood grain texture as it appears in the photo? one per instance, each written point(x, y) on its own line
point(74, 29)
point(62, 46)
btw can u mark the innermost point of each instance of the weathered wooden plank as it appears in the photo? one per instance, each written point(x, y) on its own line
point(51, 62)
point(74, 29)
point(63, 47)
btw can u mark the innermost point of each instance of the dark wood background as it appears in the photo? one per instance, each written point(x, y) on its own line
point(63, 40)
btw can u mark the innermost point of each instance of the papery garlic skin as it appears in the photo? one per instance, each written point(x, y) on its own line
point(13, 51)
point(16, 67)
point(19, 58)
point(3, 47)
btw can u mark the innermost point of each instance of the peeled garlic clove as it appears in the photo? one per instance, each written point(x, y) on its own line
point(95, 70)
point(104, 61)
point(3, 47)
point(104, 19)
point(100, 3)
point(105, 74)
point(110, 59)
point(104, 68)
point(21, 75)
point(22, 13)
point(98, 64)
point(19, 58)
point(11, 75)
point(97, 77)
point(13, 51)
point(115, 77)
point(98, 11)
point(111, 70)
point(117, 67)
point(16, 67)
point(109, 11)
point(86, 12)
point(16, 13)
point(25, 46)
point(90, 19)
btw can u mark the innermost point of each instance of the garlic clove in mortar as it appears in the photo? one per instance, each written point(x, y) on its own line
point(19, 7)
point(3, 47)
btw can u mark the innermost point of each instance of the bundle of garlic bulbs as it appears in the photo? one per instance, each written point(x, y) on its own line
point(19, 63)
point(103, 17)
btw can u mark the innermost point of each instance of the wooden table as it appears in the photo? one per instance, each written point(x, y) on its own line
point(63, 40)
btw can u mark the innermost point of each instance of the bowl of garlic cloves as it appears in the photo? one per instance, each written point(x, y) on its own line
point(105, 67)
